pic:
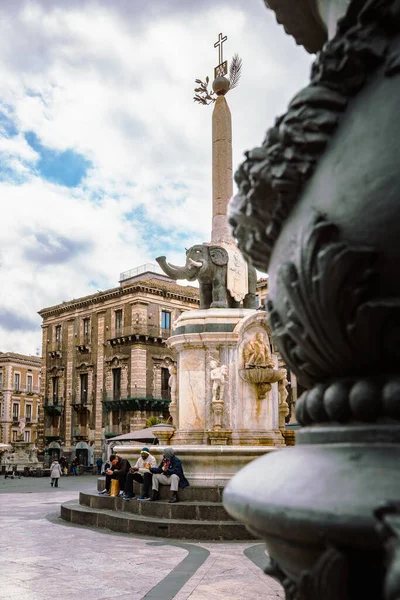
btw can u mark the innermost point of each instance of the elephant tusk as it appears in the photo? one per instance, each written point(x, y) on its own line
point(194, 263)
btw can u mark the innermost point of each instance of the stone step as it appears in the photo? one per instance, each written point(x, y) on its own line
point(191, 493)
point(126, 522)
point(183, 510)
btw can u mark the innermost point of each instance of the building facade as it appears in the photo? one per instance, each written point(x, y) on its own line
point(106, 362)
point(20, 398)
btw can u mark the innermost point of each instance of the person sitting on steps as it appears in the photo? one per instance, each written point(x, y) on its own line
point(119, 470)
point(142, 474)
point(169, 472)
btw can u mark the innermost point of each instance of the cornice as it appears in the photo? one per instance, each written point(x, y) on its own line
point(110, 294)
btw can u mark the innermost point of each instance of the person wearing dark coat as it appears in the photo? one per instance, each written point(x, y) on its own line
point(119, 470)
point(99, 464)
point(169, 472)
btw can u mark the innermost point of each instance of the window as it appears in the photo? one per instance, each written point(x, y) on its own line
point(27, 436)
point(14, 435)
point(58, 333)
point(15, 411)
point(29, 387)
point(28, 412)
point(257, 301)
point(17, 379)
point(118, 319)
point(84, 387)
point(165, 390)
point(86, 327)
point(55, 390)
point(165, 319)
point(116, 384)
point(1, 380)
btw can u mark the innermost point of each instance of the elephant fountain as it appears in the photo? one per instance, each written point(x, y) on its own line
point(224, 277)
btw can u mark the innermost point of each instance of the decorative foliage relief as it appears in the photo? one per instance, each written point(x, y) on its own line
point(328, 579)
point(273, 176)
point(333, 325)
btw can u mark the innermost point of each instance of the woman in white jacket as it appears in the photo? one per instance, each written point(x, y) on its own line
point(55, 472)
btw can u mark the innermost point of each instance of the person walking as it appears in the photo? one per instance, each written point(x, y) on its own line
point(55, 473)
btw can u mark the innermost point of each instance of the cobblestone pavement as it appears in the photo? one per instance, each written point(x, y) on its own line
point(43, 558)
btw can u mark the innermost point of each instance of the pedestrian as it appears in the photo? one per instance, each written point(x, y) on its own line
point(63, 463)
point(119, 470)
point(75, 466)
point(55, 472)
point(142, 474)
point(169, 472)
point(99, 464)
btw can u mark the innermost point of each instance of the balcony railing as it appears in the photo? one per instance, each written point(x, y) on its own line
point(52, 432)
point(54, 405)
point(139, 331)
point(26, 390)
point(138, 399)
point(81, 431)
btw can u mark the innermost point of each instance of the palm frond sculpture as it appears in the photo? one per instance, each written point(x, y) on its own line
point(205, 96)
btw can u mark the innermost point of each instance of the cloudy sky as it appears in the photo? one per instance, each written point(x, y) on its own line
point(105, 160)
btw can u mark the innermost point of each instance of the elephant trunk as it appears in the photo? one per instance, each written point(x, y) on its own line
point(175, 272)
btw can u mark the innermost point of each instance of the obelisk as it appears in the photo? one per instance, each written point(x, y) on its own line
point(222, 187)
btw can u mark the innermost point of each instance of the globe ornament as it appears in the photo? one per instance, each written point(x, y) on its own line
point(221, 86)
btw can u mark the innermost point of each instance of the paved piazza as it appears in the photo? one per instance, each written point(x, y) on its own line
point(43, 558)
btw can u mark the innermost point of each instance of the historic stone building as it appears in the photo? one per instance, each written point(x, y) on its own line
point(20, 398)
point(105, 361)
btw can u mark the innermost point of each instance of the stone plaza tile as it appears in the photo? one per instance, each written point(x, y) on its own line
point(44, 557)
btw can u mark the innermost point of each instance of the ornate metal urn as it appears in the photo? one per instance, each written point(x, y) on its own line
point(318, 207)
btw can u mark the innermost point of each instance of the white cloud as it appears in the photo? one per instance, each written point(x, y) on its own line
point(116, 86)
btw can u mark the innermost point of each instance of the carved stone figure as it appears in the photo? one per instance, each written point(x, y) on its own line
point(256, 353)
point(173, 385)
point(283, 394)
point(172, 381)
point(218, 377)
point(21, 427)
point(211, 265)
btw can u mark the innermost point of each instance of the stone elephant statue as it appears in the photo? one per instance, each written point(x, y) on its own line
point(210, 266)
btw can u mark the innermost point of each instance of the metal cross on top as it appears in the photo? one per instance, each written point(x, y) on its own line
point(222, 67)
point(219, 43)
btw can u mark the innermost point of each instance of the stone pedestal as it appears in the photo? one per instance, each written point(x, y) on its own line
point(217, 338)
point(208, 466)
point(23, 454)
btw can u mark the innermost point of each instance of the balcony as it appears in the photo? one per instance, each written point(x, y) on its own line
point(136, 333)
point(139, 399)
point(30, 390)
point(83, 344)
point(15, 418)
point(81, 431)
point(55, 350)
point(52, 433)
point(112, 431)
point(54, 406)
